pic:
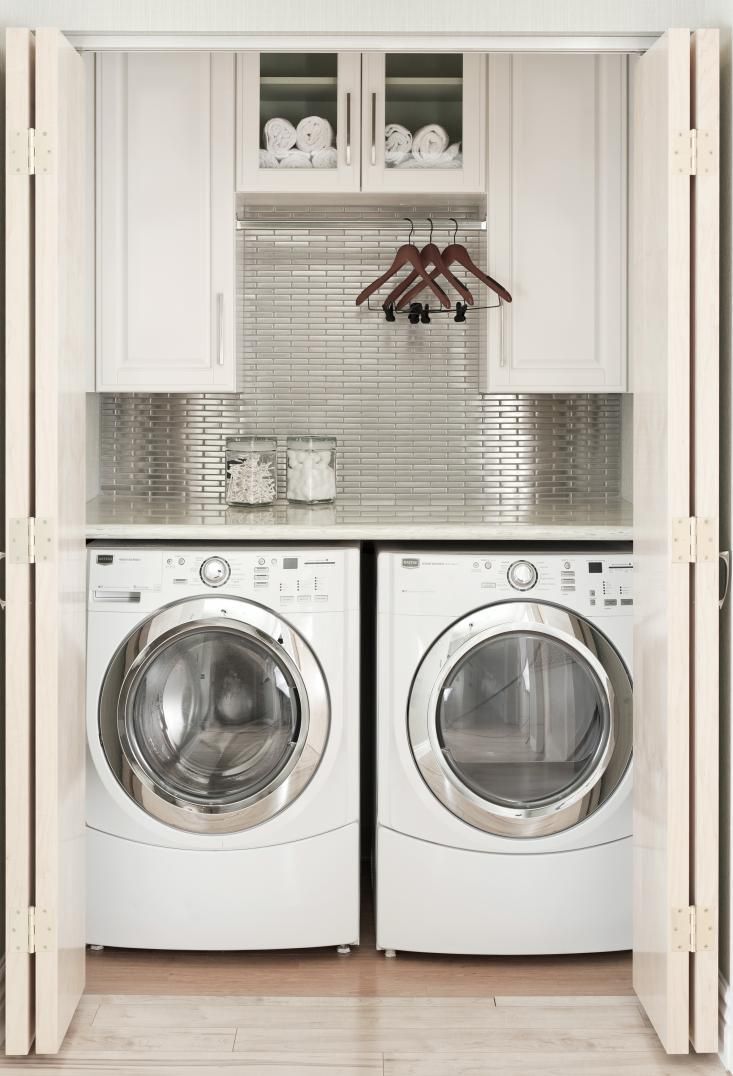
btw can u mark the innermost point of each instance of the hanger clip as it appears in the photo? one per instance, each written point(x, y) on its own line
point(415, 314)
point(425, 315)
point(461, 309)
point(389, 313)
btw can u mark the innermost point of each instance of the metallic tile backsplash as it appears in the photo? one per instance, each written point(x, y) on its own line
point(402, 400)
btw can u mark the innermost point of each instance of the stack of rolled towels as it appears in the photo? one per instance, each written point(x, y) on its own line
point(309, 145)
point(428, 147)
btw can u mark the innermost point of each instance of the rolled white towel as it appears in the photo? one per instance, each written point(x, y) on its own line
point(279, 136)
point(295, 158)
point(324, 158)
point(429, 142)
point(314, 132)
point(268, 159)
point(397, 143)
point(454, 150)
point(443, 161)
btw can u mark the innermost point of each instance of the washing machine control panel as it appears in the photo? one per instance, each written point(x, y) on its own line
point(281, 579)
point(595, 584)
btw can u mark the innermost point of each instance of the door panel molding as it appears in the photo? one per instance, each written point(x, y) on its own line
point(60, 570)
point(705, 105)
point(19, 63)
point(660, 341)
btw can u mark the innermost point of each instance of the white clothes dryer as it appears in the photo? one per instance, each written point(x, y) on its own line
point(223, 746)
point(504, 813)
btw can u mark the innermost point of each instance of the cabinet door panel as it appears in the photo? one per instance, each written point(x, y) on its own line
point(557, 223)
point(60, 568)
point(165, 221)
point(705, 104)
point(293, 86)
point(414, 90)
point(19, 498)
point(660, 343)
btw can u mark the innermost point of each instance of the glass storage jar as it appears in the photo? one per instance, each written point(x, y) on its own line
point(311, 469)
point(251, 470)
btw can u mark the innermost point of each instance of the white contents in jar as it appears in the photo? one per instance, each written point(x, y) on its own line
point(250, 480)
point(311, 476)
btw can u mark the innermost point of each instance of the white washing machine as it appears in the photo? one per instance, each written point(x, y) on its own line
point(223, 735)
point(504, 814)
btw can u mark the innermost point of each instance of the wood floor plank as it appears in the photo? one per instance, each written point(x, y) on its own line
point(108, 1041)
point(368, 1013)
point(562, 1000)
point(302, 973)
point(620, 1063)
point(264, 1065)
point(446, 1040)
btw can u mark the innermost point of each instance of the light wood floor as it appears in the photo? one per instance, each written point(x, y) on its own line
point(487, 1036)
point(319, 1014)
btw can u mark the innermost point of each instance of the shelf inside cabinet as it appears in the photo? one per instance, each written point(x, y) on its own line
point(286, 88)
point(423, 89)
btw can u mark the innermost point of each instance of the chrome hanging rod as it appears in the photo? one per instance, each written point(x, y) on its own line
point(249, 224)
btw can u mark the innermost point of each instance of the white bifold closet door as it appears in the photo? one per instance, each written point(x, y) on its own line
point(45, 544)
point(673, 242)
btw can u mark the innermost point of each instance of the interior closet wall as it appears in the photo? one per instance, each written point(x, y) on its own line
point(401, 399)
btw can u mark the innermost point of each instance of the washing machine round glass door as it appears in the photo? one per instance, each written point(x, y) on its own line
point(520, 719)
point(214, 714)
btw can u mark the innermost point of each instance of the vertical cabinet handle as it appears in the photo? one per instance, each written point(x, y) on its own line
point(374, 128)
point(724, 559)
point(502, 351)
point(220, 328)
point(348, 127)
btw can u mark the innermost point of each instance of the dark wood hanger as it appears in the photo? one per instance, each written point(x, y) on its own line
point(457, 253)
point(430, 255)
point(408, 254)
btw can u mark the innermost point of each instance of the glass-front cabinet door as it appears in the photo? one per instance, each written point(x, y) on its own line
point(423, 116)
point(297, 121)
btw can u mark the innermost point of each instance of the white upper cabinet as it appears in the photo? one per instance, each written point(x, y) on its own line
point(556, 232)
point(346, 122)
point(165, 222)
point(298, 121)
point(423, 122)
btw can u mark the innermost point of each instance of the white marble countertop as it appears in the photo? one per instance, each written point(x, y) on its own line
point(118, 518)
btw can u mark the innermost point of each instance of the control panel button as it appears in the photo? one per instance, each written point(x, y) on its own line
point(522, 575)
point(215, 571)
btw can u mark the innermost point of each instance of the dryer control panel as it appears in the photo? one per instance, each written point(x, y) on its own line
point(596, 584)
point(281, 579)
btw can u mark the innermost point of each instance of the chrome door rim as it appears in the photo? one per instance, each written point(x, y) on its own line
point(287, 647)
point(610, 760)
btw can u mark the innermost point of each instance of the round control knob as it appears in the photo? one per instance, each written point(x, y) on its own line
point(522, 575)
point(215, 571)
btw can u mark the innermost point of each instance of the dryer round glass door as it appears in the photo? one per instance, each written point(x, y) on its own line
point(214, 715)
point(520, 719)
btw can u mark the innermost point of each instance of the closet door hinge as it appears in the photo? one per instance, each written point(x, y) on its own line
point(693, 929)
point(684, 153)
point(22, 540)
point(21, 147)
point(31, 930)
point(29, 152)
point(693, 540)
